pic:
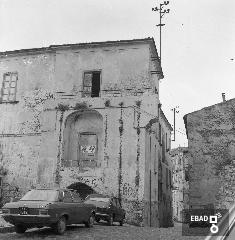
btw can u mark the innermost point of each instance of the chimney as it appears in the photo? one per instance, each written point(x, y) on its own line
point(223, 97)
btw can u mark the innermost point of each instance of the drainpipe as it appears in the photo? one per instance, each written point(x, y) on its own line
point(150, 197)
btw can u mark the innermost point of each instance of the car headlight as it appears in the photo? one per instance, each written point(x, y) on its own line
point(5, 211)
point(43, 212)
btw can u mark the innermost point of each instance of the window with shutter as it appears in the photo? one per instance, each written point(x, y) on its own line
point(91, 84)
point(8, 91)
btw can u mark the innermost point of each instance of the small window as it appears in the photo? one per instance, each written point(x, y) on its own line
point(166, 178)
point(160, 134)
point(0, 186)
point(91, 84)
point(166, 142)
point(67, 197)
point(170, 180)
point(76, 197)
point(8, 92)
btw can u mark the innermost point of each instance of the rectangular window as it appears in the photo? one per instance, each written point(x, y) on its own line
point(166, 178)
point(160, 134)
point(160, 191)
point(170, 180)
point(163, 148)
point(67, 197)
point(0, 186)
point(91, 84)
point(8, 92)
point(166, 143)
point(76, 197)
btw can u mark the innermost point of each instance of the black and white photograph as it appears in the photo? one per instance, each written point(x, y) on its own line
point(117, 119)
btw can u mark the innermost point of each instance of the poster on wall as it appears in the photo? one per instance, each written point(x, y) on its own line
point(88, 150)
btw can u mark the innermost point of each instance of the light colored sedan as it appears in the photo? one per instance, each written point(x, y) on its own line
point(48, 207)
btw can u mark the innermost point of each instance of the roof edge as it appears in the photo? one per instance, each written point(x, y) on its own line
point(211, 106)
point(52, 48)
point(165, 119)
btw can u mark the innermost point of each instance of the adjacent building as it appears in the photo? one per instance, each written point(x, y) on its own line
point(180, 189)
point(87, 114)
point(211, 146)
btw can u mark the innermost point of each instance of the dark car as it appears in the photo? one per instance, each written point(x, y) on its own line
point(55, 208)
point(107, 208)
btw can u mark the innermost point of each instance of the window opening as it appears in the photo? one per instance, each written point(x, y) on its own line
point(8, 93)
point(91, 84)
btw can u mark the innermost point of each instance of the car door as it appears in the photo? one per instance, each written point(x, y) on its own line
point(119, 210)
point(69, 206)
point(114, 208)
point(80, 209)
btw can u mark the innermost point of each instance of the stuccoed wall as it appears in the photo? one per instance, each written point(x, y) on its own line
point(180, 182)
point(123, 68)
point(31, 129)
point(20, 143)
point(122, 169)
point(34, 157)
point(211, 154)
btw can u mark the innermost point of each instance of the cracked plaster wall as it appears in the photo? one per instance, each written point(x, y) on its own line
point(31, 129)
point(211, 136)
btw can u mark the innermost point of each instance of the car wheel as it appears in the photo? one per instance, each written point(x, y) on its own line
point(90, 222)
point(60, 226)
point(110, 220)
point(20, 228)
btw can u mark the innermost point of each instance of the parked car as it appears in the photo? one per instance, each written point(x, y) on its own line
point(107, 208)
point(48, 207)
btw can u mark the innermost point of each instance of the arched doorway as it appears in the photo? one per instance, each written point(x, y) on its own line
point(82, 188)
point(83, 140)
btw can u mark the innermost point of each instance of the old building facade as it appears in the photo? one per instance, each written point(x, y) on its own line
point(180, 189)
point(83, 113)
point(211, 145)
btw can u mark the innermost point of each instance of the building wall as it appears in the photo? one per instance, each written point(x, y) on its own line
point(123, 67)
point(165, 204)
point(35, 132)
point(158, 173)
point(179, 158)
point(211, 149)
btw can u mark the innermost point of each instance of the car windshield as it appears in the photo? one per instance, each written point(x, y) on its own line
point(99, 199)
point(40, 195)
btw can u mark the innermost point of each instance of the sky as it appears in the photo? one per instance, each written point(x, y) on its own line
point(198, 41)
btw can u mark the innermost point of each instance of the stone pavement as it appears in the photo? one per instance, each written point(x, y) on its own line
point(103, 232)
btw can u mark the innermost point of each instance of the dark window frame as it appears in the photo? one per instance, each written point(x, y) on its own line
point(84, 93)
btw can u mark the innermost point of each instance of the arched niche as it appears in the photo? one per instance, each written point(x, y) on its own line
point(82, 139)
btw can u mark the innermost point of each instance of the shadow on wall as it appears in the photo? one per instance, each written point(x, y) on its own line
point(83, 189)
